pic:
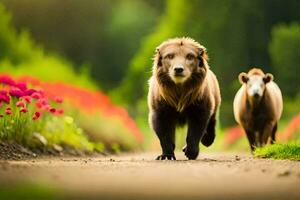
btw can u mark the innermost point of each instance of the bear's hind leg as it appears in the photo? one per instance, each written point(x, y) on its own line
point(209, 137)
point(266, 134)
point(197, 122)
point(251, 139)
point(273, 135)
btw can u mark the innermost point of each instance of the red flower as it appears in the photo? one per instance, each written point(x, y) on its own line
point(16, 93)
point(8, 111)
point(20, 104)
point(36, 115)
point(52, 110)
point(21, 86)
point(7, 80)
point(24, 110)
point(60, 111)
point(58, 99)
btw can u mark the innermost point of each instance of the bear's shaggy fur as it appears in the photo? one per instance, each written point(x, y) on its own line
point(182, 90)
point(258, 110)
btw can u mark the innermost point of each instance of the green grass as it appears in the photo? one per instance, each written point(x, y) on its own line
point(290, 150)
point(29, 191)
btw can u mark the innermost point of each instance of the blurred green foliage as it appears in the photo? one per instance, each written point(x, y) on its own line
point(30, 190)
point(20, 55)
point(102, 33)
point(285, 54)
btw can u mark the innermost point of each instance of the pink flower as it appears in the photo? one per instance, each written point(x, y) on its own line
point(3, 92)
point(20, 104)
point(24, 110)
point(36, 115)
point(41, 103)
point(58, 99)
point(36, 95)
point(6, 80)
point(44, 101)
point(47, 107)
point(21, 86)
point(8, 111)
point(4, 98)
point(16, 93)
point(29, 92)
point(27, 99)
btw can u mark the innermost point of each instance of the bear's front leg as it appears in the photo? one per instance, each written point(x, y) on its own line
point(197, 122)
point(164, 126)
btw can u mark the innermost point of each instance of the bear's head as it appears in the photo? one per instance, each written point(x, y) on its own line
point(180, 61)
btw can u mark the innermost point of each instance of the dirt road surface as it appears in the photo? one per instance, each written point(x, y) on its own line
point(139, 176)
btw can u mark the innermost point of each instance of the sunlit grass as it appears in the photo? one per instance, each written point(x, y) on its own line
point(290, 150)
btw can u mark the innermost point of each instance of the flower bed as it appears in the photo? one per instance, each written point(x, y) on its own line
point(48, 107)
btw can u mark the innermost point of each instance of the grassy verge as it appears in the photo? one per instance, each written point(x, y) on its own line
point(290, 150)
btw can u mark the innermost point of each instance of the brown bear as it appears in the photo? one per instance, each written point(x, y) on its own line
point(257, 107)
point(183, 90)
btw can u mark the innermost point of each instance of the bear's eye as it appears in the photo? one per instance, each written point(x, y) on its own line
point(190, 56)
point(170, 56)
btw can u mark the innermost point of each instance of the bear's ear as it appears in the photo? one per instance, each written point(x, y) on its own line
point(157, 58)
point(202, 55)
point(243, 78)
point(268, 77)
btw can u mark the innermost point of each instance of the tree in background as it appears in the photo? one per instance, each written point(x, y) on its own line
point(285, 54)
point(103, 34)
point(19, 54)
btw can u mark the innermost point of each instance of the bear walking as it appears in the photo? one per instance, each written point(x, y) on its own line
point(183, 90)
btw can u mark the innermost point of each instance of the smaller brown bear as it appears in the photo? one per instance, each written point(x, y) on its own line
point(182, 90)
point(257, 107)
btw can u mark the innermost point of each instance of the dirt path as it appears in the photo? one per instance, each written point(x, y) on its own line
point(138, 176)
